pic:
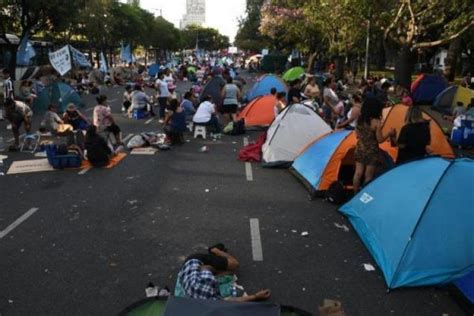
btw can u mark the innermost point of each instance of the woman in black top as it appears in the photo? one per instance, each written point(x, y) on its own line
point(294, 94)
point(98, 152)
point(414, 137)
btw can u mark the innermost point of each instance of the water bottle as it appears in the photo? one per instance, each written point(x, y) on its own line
point(2, 144)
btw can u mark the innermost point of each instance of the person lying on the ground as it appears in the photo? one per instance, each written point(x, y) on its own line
point(175, 123)
point(53, 123)
point(17, 113)
point(206, 115)
point(75, 118)
point(197, 276)
point(140, 100)
point(103, 119)
point(98, 152)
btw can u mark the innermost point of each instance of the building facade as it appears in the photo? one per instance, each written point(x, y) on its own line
point(195, 13)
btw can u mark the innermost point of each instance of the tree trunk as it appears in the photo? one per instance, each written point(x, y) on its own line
point(381, 58)
point(339, 73)
point(311, 62)
point(12, 65)
point(452, 59)
point(404, 67)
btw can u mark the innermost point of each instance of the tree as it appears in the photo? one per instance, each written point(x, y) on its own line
point(205, 38)
point(417, 25)
point(249, 36)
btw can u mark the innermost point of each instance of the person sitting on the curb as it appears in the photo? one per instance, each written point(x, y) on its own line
point(175, 123)
point(197, 276)
point(206, 115)
point(103, 119)
point(74, 117)
point(53, 123)
point(17, 113)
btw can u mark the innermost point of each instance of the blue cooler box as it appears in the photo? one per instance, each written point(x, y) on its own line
point(463, 135)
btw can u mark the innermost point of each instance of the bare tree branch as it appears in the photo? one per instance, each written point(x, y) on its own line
point(395, 21)
point(412, 27)
point(444, 40)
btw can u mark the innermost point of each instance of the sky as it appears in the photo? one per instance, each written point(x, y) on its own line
point(220, 14)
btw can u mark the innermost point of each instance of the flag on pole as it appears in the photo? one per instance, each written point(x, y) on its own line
point(25, 52)
point(126, 54)
point(79, 58)
point(103, 63)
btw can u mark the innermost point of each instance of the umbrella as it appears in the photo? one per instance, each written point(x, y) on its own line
point(293, 74)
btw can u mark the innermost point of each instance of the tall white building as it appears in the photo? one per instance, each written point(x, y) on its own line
point(195, 13)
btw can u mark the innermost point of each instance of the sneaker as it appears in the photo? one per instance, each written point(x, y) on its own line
point(9, 127)
point(161, 121)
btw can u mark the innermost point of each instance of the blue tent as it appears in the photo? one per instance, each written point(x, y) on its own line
point(464, 290)
point(311, 165)
point(153, 69)
point(264, 85)
point(426, 88)
point(417, 221)
point(59, 94)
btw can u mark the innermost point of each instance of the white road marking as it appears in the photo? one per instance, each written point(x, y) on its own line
point(257, 252)
point(149, 121)
point(89, 109)
point(84, 171)
point(20, 220)
point(113, 100)
point(127, 138)
point(248, 165)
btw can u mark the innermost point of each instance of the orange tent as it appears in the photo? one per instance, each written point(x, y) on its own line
point(259, 112)
point(394, 117)
point(331, 157)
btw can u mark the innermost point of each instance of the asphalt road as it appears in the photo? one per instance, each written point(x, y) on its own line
point(97, 239)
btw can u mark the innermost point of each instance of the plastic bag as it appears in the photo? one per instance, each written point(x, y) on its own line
point(136, 142)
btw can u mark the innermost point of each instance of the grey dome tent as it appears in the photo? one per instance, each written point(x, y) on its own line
point(213, 88)
point(291, 130)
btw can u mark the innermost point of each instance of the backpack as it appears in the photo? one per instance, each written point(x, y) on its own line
point(238, 128)
point(336, 193)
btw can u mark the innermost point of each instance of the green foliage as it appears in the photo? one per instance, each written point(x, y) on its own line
point(204, 38)
point(249, 36)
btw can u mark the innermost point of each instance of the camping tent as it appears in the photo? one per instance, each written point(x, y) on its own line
point(293, 74)
point(153, 70)
point(426, 88)
point(394, 117)
point(449, 97)
point(259, 112)
point(416, 220)
point(176, 306)
point(289, 132)
point(213, 88)
point(264, 85)
point(464, 291)
point(331, 158)
point(58, 94)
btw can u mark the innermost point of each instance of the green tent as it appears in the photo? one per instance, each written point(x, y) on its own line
point(58, 94)
point(293, 74)
point(192, 69)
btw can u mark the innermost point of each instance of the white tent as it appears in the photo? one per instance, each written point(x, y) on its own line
point(291, 130)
